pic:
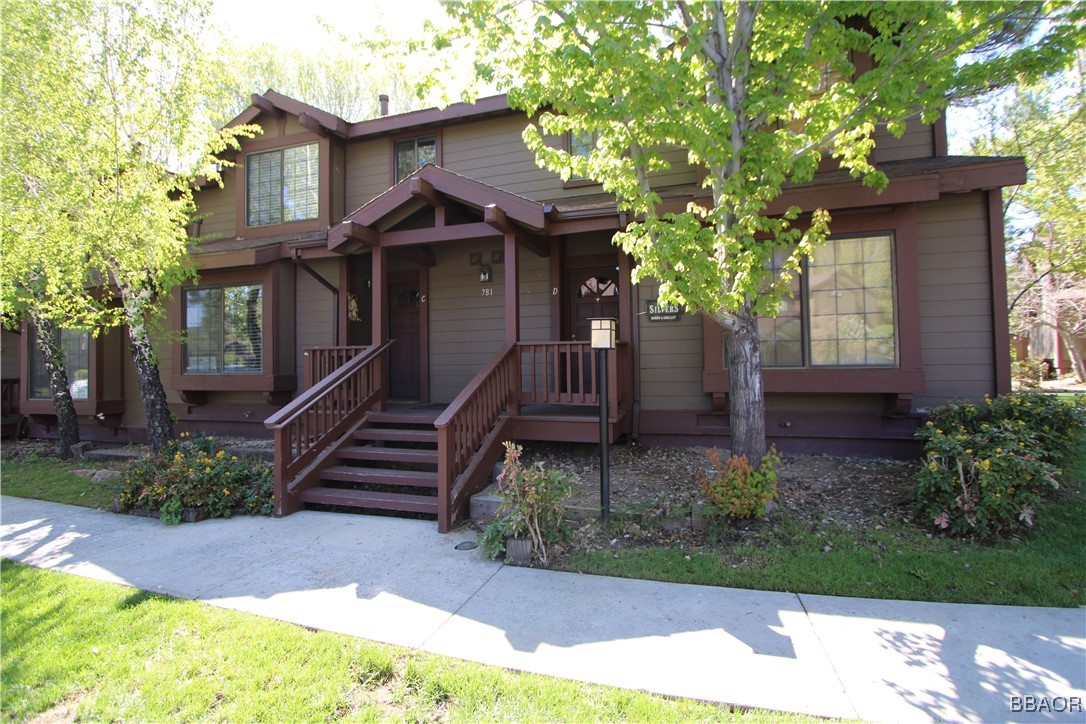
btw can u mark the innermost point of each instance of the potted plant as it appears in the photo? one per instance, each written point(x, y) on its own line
point(531, 514)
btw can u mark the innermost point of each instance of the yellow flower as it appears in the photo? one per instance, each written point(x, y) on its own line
point(207, 470)
point(220, 454)
point(233, 458)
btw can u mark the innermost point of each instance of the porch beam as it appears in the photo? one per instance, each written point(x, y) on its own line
point(434, 235)
point(349, 231)
point(493, 215)
point(423, 189)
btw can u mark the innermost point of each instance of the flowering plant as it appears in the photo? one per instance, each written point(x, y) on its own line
point(193, 473)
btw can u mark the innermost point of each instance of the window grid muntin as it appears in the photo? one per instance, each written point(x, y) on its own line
point(224, 330)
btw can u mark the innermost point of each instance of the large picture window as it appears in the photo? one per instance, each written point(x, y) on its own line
point(414, 153)
point(76, 348)
point(842, 309)
point(283, 185)
point(224, 330)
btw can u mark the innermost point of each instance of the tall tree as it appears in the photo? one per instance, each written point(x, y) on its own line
point(1046, 122)
point(757, 93)
point(103, 201)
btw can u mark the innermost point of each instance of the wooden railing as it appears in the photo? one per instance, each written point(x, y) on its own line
point(319, 416)
point(323, 361)
point(468, 431)
point(565, 373)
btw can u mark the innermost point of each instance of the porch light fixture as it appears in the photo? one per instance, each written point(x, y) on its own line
point(603, 333)
point(484, 273)
point(603, 339)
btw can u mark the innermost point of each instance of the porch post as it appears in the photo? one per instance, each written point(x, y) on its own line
point(512, 311)
point(512, 289)
point(379, 318)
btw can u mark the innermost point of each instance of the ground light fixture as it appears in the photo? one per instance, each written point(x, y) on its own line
point(603, 339)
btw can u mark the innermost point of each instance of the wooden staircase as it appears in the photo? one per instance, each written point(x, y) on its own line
point(391, 465)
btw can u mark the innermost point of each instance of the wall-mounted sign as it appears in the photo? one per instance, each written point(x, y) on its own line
point(663, 312)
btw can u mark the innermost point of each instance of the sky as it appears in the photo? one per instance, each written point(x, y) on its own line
point(295, 24)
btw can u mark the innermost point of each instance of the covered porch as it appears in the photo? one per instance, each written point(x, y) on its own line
point(441, 331)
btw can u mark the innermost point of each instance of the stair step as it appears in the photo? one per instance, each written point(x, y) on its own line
point(389, 454)
point(394, 435)
point(404, 418)
point(369, 499)
point(370, 476)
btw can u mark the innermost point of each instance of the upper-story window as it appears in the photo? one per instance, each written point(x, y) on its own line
point(414, 153)
point(581, 145)
point(283, 185)
point(75, 346)
point(842, 309)
point(224, 330)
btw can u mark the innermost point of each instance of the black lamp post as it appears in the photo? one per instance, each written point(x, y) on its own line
point(603, 339)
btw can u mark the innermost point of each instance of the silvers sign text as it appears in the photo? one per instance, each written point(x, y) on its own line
point(663, 312)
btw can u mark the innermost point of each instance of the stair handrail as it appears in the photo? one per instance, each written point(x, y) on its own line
point(465, 423)
point(316, 418)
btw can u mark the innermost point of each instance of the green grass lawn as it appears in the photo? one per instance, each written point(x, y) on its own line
point(80, 649)
point(51, 479)
point(898, 561)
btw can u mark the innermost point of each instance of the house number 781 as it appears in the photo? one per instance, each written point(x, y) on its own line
point(488, 291)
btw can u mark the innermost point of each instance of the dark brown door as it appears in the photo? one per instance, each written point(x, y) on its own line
point(592, 293)
point(403, 327)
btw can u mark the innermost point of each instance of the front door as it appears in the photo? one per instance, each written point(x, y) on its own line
point(403, 327)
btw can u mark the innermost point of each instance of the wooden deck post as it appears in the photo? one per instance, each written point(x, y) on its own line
point(512, 313)
point(379, 284)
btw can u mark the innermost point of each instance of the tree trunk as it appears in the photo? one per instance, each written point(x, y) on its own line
point(153, 394)
point(1078, 366)
point(746, 392)
point(48, 338)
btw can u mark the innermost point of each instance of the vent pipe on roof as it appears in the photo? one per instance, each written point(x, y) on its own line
point(384, 104)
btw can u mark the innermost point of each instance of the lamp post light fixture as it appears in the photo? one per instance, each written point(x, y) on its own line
point(603, 339)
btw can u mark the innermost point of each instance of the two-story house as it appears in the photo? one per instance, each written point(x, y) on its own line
point(425, 258)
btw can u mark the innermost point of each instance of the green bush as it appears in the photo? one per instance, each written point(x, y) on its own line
point(738, 489)
point(532, 505)
point(192, 473)
point(1027, 373)
point(988, 468)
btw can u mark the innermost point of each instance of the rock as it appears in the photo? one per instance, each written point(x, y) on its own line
point(102, 476)
point(83, 473)
point(770, 508)
point(115, 506)
point(80, 448)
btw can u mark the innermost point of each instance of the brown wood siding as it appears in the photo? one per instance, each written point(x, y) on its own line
point(284, 318)
point(670, 359)
point(339, 168)
point(493, 152)
point(315, 311)
point(917, 142)
point(218, 207)
point(466, 328)
point(367, 173)
point(535, 296)
point(955, 300)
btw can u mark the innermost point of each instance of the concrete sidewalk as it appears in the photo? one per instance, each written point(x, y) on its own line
point(399, 581)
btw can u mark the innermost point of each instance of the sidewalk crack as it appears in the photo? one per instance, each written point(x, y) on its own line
point(451, 616)
point(829, 659)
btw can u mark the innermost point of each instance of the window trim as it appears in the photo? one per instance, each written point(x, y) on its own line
point(904, 378)
point(277, 374)
point(324, 186)
point(400, 138)
point(185, 345)
point(282, 168)
point(805, 310)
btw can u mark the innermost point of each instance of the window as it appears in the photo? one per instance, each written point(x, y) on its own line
point(580, 145)
point(414, 153)
point(842, 313)
point(283, 185)
point(76, 348)
point(224, 330)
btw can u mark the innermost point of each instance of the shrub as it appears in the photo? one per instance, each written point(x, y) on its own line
point(192, 473)
point(532, 505)
point(1027, 373)
point(738, 489)
point(988, 468)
